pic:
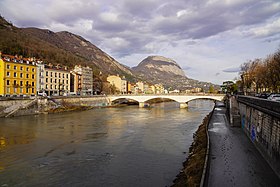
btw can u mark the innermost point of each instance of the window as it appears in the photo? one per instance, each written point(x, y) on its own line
point(33, 69)
point(15, 67)
point(21, 83)
point(46, 79)
point(46, 86)
point(51, 74)
point(15, 82)
point(26, 90)
point(20, 90)
point(21, 68)
point(55, 74)
point(8, 82)
point(15, 74)
point(27, 76)
point(8, 66)
point(59, 75)
point(27, 69)
point(8, 74)
point(32, 90)
point(47, 73)
point(32, 83)
point(32, 76)
point(21, 75)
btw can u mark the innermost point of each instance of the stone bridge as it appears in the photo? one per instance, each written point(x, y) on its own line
point(182, 99)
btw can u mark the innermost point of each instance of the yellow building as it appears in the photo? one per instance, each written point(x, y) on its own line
point(118, 82)
point(19, 76)
point(2, 73)
point(159, 88)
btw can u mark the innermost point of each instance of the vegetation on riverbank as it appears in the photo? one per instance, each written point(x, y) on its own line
point(69, 108)
point(191, 174)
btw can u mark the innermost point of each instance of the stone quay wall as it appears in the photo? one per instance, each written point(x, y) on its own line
point(20, 107)
point(93, 101)
point(260, 120)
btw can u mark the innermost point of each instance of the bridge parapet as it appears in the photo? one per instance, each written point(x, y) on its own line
point(182, 99)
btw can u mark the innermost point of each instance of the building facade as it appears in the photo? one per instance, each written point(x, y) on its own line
point(2, 75)
point(76, 83)
point(123, 86)
point(120, 83)
point(115, 81)
point(56, 80)
point(19, 76)
point(86, 79)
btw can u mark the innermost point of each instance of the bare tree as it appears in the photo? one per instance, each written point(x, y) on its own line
point(264, 74)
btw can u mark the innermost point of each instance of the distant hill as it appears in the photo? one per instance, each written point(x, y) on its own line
point(158, 69)
point(62, 48)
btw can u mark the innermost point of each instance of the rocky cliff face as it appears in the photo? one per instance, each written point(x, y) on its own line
point(160, 65)
point(158, 69)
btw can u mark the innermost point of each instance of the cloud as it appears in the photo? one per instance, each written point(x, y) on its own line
point(204, 36)
point(232, 70)
point(267, 29)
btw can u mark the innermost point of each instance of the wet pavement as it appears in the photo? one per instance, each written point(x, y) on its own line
point(233, 159)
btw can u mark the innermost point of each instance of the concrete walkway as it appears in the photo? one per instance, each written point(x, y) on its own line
point(233, 159)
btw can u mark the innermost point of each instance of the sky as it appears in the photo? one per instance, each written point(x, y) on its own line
point(209, 39)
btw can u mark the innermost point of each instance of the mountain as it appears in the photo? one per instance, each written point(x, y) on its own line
point(63, 48)
point(158, 69)
point(69, 49)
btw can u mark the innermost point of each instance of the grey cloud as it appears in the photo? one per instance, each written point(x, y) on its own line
point(121, 23)
point(143, 9)
point(208, 21)
point(186, 68)
point(232, 70)
point(143, 23)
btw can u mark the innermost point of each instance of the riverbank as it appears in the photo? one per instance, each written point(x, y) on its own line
point(193, 167)
point(42, 105)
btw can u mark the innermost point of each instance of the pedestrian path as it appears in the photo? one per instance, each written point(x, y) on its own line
point(233, 159)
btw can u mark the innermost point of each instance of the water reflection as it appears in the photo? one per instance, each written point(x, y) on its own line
point(126, 146)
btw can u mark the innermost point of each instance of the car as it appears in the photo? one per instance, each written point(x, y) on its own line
point(274, 97)
point(40, 93)
point(263, 95)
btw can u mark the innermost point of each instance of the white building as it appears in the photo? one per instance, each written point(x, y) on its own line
point(52, 80)
point(86, 79)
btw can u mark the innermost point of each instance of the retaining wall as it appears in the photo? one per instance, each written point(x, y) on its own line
point(260, 119)
point(44, 104)
point(94, 101)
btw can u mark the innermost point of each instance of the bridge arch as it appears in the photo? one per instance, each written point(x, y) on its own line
point(182, 99)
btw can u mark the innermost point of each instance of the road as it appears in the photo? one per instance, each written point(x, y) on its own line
point(233, 159)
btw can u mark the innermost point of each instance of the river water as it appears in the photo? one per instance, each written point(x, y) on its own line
point(126, 146)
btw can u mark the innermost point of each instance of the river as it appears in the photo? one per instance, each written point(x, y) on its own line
point(126, 146)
